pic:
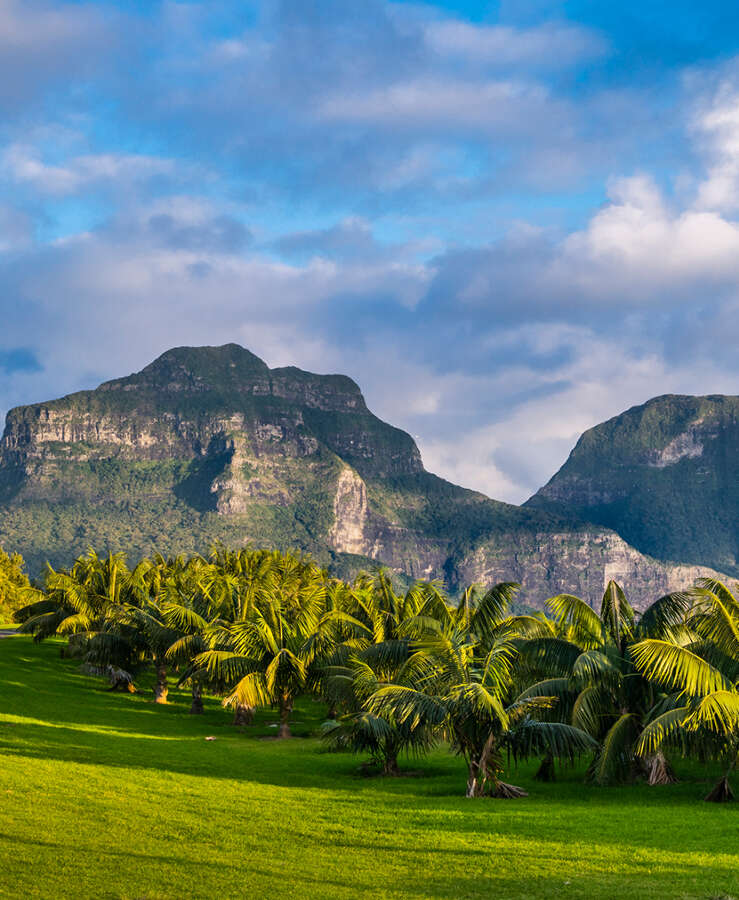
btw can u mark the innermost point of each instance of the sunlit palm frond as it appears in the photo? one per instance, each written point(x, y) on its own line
point(571, 611)
point(661, 730)
point(677, 668)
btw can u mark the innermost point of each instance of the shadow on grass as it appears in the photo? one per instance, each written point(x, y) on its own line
point(66, 716)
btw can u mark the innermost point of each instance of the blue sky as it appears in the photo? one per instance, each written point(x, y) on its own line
point(507, 221)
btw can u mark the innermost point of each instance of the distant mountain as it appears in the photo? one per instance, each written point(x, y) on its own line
point(664, 475)
point(208, 443)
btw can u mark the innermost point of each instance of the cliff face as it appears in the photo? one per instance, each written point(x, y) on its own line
point(209, 443)
point(664, 475)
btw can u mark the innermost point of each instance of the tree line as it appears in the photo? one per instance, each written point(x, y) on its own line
point(401, 671)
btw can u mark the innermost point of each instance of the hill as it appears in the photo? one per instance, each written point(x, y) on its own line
point(664, 475)
point(209, 443)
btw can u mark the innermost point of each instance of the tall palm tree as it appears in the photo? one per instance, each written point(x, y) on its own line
point(701, 667)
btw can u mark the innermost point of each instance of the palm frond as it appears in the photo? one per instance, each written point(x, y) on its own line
point(571, 611)
point(719, 712)
point(614, 761)
point(661, 618)
point(557, 739)
point(677, 668)
point(661, 730)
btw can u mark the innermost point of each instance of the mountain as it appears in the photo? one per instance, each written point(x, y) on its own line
point(209, 443)
point(664, 475)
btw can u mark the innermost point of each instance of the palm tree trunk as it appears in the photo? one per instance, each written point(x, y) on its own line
point(478, 769)
point(506, 791)
point(485, 770)
point(546, 771)
point(243, 715)
point(286, 706)
point(197, 709)
point(390, 759)
point(722, 792)
point(473, 786)
point(659, 770)
point(390, 766)
point(161, 689)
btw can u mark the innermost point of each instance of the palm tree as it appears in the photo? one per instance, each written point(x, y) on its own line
point(586, 661)
point(360, 730)
point(265, 656)
point(370, 645)
point(77, 601)
point(701, 667)
point(188, 610)
point(459, 681)
point(232, 583)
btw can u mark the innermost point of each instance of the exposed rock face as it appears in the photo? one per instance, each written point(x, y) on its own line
point(687, 445)
point(577, 562)
point(209, 443)
point(348, 534)
point(664, 475)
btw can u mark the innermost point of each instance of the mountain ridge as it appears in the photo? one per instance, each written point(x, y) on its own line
point(209, 443)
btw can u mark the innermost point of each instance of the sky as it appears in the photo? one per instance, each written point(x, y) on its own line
point(506, 221)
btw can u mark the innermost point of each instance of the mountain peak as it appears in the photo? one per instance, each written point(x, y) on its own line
point(664, 475)
point(198, 369)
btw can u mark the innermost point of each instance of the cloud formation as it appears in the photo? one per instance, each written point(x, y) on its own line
point(496, 228)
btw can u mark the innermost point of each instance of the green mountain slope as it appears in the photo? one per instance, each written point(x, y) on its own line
point(664, 475)
point(208, 443)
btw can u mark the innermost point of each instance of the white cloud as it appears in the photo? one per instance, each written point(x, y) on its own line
point(716, 127)
point(492, 105)
point(24, 163)
point(639, 247)
point(547, 46)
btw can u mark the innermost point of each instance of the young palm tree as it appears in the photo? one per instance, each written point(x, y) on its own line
point(188, 610)
point(586, 661)
point(360, 730)
point(369, 647)
point(77, 601)
point(701, 667)
point(459, 681)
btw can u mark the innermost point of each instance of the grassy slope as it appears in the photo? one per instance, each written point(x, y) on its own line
point(105, 795)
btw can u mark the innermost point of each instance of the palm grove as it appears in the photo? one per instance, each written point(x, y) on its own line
point(403, 671)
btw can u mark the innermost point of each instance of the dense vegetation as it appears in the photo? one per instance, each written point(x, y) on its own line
point(14, 585)
point(406, 671)
point(615, 477)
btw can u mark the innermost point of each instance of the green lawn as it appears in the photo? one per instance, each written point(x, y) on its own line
point(108, 795)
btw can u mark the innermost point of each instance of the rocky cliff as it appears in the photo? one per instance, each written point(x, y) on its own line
point(209, 443)
point(664, 475)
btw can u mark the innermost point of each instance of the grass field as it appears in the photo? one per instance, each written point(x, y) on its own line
point(107, 795)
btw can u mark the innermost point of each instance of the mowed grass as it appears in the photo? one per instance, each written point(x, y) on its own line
point(107, 795)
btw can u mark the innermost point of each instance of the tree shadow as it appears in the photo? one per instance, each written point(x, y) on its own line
point(64, 715)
